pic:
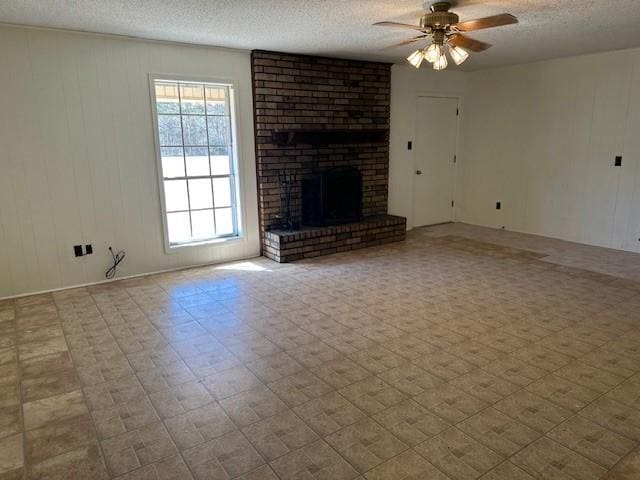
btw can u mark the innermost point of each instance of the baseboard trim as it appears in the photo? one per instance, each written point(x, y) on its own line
point(137, 275)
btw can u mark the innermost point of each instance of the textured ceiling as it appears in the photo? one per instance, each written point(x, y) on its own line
point(547, 29)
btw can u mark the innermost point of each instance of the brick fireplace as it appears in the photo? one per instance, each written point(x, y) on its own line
point(315, 115)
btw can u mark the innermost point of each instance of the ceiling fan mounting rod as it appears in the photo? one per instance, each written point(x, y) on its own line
point(438, 6)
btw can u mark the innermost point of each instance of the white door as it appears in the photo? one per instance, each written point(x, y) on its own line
point(435, 149)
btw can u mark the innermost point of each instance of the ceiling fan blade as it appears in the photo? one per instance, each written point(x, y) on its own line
point(486, 22)
point(406, 42)
point(400, 25)
point(463, 41)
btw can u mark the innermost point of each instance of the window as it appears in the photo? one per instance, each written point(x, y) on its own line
point(196, 143)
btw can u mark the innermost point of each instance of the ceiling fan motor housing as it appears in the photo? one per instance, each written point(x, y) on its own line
point(439, 17)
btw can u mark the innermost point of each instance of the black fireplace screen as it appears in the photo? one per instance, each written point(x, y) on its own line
point(332, 197)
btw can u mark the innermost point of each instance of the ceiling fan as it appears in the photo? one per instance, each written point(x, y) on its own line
point(443, 29)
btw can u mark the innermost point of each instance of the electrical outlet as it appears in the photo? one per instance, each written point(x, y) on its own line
point(88, 249)
point(498, 205)
point(618, 161)
point(409, 145)
point(77, 250)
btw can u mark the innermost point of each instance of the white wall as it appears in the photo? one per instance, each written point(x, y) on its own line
point(541, 138)
point(77, 158)
point(407, 84)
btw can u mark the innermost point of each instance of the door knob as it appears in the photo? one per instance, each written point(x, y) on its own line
point(418, 172)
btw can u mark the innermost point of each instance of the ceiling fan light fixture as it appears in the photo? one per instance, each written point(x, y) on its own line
point(433, 53)
point(459, 55)
point(441, 63)
point(416, 58)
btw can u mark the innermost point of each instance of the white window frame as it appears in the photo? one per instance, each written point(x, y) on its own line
point(237, 188)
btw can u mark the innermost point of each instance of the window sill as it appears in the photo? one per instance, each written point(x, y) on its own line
point(224, 241)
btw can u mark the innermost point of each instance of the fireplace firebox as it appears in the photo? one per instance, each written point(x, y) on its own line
point(332, 197)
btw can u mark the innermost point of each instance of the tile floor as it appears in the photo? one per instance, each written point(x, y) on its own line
point(443, 357)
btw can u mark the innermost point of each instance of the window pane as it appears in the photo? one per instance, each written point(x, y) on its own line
point(167, 97)
point(224, 221)
point(192, 98)
point(202, 221)
point(169, 129)
point(195, 130)
point(220, 160)
point(178, 226)
point(195, 136)
point(200, 193)
point(172, 162)
point(222, 192)
point(175, 194)
point(216, 100)
point(219, 131)
point(197, 161)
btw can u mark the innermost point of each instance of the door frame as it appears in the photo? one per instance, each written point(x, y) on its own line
point(456, 151)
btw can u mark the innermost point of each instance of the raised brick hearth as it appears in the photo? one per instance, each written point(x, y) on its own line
point(287, 245)
point(314, 114)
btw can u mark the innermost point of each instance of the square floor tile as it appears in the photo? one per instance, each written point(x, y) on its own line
point(180, 399)
point(450, 403)
point(264, 472)
point(251, 406)
point(137, 448)
point(164, 377)
point(372, 395)
point(627, 392)
point(409, 347)
point(377, 359)
point(532, 411)
point(124, 417)
point(109, 394)
point(52, 440)
point(444, 365)
point(85, 462)
point(299, 388)
point(541, 357)
point(365, 444)
point(563, 392)
point(317, 461)
point(410, 379)
point(279, 435)
point(484, 386)
point(314, 354)
point(497, 431)
point(230, 382)
point(11, 453)
point(507, 471)
point(225, 457)
point(599, 380)
point(54, 383)
point(199, 425)
point(410, 422)
point(340, 373)
point(458, 455)
point(172, 468)
point(566, 344)
point(615, 416)
point(53, 409)
point(515, 371)
point(329, 413)
point(550, 460)
point(273, 367)
point(406, 466)
point(592, 441)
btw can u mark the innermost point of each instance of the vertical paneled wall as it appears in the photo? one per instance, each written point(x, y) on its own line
point(542, 139)
point(77, 158)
